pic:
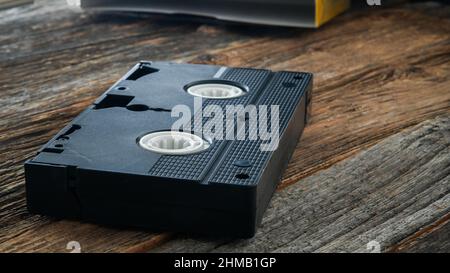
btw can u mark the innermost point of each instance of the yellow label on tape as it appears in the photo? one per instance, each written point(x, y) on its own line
point(327, 9)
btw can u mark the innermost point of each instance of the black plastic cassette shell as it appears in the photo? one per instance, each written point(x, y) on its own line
point(94, 170)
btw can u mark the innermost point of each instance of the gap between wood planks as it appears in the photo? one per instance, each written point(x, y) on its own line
point(437, 234)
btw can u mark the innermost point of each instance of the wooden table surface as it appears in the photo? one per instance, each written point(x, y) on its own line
point(373, 165)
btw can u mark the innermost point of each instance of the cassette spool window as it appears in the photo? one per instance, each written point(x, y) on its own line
point(216, 89)
point(173, 143)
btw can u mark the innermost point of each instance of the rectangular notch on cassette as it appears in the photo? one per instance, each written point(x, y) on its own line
point(121, 163)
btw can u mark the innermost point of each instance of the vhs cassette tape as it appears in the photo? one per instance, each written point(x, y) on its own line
point(175, 147)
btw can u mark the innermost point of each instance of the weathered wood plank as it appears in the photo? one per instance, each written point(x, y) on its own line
point(385, 194)
point(4, 4)
point(434, 238)
point(54, 62)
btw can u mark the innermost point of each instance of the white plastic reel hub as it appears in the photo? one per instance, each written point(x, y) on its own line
point(215, 90)
point(173, 143)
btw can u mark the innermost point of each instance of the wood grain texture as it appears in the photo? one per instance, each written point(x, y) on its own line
point(434, 238)
point(377, 72)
